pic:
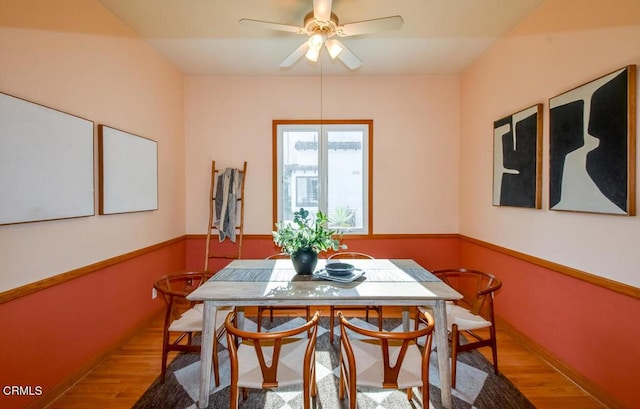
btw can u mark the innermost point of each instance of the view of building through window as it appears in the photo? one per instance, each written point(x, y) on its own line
point(324, 167)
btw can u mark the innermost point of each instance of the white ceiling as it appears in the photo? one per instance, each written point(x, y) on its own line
point(203, 37)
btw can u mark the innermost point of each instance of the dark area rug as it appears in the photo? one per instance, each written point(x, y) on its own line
point(477, 386)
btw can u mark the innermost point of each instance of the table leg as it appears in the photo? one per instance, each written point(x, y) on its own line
point(442, 345)
point(240, 317)
point(405, 319)
point(206, 353)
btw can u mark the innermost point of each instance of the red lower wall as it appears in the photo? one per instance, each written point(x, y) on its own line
point(47, 336)
point(592, 330)
point(430, 251)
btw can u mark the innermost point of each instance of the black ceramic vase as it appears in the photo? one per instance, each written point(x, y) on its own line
point(304, 261)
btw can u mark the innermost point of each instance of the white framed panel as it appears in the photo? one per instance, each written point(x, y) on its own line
point(46, 163)
point(128, 167)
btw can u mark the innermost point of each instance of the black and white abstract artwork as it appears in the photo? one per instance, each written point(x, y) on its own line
point(517, 141)
point(592, 146)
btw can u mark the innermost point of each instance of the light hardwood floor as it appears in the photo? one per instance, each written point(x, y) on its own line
point(124, 375)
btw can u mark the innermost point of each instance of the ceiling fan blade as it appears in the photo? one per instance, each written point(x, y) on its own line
point(272, 26)
point(370, 26)
point(295, 55)
point(322, 10)
point(348, 58)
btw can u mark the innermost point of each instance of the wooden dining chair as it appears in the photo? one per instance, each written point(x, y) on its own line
point(265, 360)
point(184, 318)
point(262, 308)
point(366, 308)
point(471, 313)
point(386, 360)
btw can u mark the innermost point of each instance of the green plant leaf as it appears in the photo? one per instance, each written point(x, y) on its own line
point(306, 232)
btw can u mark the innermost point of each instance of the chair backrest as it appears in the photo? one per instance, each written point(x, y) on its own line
point(477, 288)
point(278, 256)
point(350, 254)
point(388, 340)
point(275, 340)
point(175, 287)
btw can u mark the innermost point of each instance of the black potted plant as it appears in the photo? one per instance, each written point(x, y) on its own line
point(305, 238)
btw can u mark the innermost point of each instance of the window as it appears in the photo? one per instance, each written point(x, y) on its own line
point(324, 165)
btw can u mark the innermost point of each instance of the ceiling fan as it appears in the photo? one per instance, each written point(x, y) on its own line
point(321, 25)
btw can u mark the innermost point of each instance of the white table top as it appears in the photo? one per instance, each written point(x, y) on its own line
point(266, 282)
point(270, 282)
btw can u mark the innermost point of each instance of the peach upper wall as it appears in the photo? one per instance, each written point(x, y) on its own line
point(75, 56)
point(561, 45)
point(415, 144)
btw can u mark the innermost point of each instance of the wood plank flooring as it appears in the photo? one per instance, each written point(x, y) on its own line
point(122, 378)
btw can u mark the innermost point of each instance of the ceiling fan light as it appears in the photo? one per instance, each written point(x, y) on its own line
point(334, 48)
point(316, 41)
point(312, 54)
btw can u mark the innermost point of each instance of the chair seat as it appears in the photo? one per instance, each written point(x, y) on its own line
point(191, 320)
point(384, 359)
point(370, 368)
point(272, 359)
point(477, 289)
point(290, 368)
point(465, 320)
point(461, 316)
point(175, 288)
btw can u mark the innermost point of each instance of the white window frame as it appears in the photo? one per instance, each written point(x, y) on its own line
point(323, 127)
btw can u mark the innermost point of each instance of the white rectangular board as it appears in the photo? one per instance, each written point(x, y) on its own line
point(128, 172)
point(46, 163)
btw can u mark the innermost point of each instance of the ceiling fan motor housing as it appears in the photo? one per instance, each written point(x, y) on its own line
point(313, 26)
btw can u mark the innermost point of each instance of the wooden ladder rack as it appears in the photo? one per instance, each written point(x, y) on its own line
point(212, 213)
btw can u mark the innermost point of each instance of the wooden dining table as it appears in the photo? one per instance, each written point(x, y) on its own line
point(386, 282)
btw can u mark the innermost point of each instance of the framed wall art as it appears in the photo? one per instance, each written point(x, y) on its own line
point(517, 159)
point(128, 172)
point(592, 146)
point(46, 163)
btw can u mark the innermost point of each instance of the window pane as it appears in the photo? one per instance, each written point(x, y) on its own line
point(299, 172)
point(306, 191)
point(346, 178)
